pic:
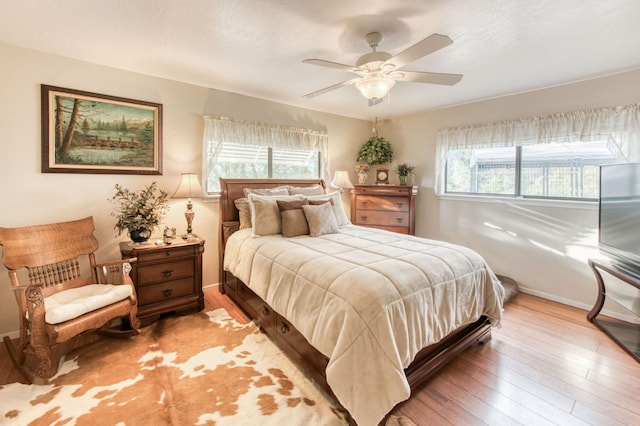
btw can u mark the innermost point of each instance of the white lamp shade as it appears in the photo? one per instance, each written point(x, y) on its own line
point(189, 187)
point(341, 179)
point(375, 86)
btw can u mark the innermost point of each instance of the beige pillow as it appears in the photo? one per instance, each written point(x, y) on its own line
point(265, 215)
point(306, 190)
point(338, 210)
point(321, 219)
point(280, 190)
point(293, 221)
point(242, 204)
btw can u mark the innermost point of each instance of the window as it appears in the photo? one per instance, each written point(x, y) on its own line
point(556, 157)
point(242, 149)
point(552, 170)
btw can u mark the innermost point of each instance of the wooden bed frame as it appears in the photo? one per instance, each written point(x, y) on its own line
point(426, 363)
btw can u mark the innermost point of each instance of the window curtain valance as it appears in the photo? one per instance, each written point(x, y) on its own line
point(219, 129)
point(619, 126)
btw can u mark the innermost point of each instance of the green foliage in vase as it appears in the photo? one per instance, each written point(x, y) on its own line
point(377, 150)
point(405, 169)
point(142, 209)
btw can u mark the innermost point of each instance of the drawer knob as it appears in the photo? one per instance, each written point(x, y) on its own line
point(167, 273)
point(167, 292)
point(265, 311)
point(363, 218)
point(284, 329)
point(364, 203)
point(399, 205)
point(399, 220)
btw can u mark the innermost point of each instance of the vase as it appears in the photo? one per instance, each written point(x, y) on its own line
point(403, 180)
point(140, 235)
point(362, 178)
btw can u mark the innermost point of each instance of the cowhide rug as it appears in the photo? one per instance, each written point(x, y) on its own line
point(199, 369)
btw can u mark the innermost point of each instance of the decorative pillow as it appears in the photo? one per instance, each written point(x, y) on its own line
point(318, 202)
point(306, 190)
point(338, 210)
point(265, 215)
point(280, 190)
point(293, 221)
point(242, 204)
point(321, 219)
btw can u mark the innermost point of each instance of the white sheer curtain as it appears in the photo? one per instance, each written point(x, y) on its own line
point(620, 126)
point(218, 130)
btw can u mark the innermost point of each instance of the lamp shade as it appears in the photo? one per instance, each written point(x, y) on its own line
point(189, 187)
point(341, 180)
point(375, 86)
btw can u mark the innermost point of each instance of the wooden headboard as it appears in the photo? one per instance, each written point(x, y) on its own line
point(232, 189)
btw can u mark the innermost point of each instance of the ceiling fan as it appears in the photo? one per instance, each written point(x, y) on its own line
point(379, 71)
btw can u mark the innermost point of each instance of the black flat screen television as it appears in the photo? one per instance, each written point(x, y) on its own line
point(619, 213)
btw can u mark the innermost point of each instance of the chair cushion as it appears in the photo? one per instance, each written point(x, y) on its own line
point(72, 303)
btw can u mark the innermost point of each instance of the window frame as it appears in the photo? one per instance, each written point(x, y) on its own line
point(517, 185)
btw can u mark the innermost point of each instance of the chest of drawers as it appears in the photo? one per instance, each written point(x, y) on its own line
point(168, 278)
point(390, 207)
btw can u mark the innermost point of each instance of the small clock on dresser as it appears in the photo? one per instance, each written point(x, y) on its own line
point(382, 176)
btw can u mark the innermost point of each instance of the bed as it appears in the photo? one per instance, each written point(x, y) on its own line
point(368, 314)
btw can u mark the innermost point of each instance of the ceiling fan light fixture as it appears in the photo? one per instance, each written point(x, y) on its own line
point(375, 86)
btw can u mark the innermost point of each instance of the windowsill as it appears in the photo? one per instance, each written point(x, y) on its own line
point(496, 199)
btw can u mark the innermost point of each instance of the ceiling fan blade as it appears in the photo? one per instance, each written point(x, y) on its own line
point(422, 48)
point(330, 88)
point(330, 64)
point(426, 77)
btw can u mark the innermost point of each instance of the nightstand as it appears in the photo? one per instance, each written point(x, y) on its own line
point(167, 277)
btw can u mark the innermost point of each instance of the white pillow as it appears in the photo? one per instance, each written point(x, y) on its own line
point(265, 215)
point(280, 190)
point(306, 190)
point(338, 210)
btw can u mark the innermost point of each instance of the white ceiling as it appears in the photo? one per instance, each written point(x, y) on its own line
point(256, 47)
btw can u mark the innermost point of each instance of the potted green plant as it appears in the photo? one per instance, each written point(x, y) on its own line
point(139, 212)
point(377, 150)
point(404, 170)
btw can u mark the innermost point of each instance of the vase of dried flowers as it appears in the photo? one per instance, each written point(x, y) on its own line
point(363, 171)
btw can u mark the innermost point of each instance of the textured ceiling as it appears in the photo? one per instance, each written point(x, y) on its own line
point(256, 47)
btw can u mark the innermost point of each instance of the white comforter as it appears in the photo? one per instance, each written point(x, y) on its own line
point(369, 300)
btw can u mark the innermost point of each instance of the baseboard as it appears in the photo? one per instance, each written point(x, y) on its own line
point(573, 303)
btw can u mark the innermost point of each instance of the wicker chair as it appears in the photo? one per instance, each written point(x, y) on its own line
point(60, 300)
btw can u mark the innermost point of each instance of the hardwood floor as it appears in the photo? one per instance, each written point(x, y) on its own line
point(546, 365)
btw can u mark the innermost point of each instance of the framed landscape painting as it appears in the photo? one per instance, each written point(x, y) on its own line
point(86, 132)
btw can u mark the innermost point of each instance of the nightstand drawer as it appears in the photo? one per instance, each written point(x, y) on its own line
point(166, 291)
point(152, 274)
point(385, 218)
point(397, 204)
point(167, 253)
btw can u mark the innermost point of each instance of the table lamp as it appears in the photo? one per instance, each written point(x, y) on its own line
point(341, 180)
point(189, 188)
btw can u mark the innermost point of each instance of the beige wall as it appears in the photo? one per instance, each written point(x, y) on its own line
point(29, 197)
point(543, 246)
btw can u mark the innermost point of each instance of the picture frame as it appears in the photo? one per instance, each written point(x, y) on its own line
point(84, 132)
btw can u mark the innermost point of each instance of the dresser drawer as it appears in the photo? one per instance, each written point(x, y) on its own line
point(152, 274)
point(167, 253)
point(164, 291)
point(379, 217)
point(397, 204)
